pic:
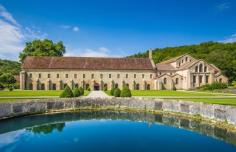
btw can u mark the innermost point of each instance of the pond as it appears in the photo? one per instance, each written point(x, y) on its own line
point(103, 131)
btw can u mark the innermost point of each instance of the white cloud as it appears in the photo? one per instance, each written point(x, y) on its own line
point(13, 35)
point(99, 52)
point(223, 6)
point(7, 16)
point(72, 28)
point(230, 39)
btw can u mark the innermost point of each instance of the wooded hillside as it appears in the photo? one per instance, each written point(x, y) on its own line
point(223, 55)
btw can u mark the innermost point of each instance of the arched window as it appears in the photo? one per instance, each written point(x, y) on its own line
point(148, 87)
point(165, 80)
point(116, 85)
point(186, 59)
point(177, 81)
point(196, 69)
point(137, 86)
point(200, 68)
point(220, 80)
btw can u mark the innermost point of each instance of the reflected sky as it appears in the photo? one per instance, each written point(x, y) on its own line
point(113, 132)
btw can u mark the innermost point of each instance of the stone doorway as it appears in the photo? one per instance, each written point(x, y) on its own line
point(96, 86)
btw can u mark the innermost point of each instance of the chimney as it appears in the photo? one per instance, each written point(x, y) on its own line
point(150, 53)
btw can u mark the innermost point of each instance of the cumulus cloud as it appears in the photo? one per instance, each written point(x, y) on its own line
point(13, 35)
point(72, 28)
point(230, 39)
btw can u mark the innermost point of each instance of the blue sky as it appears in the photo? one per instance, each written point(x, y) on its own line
point(114, 28)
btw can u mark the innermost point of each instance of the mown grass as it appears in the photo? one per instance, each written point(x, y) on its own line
point(32, 93)
point(222, 101)
point(172, 93)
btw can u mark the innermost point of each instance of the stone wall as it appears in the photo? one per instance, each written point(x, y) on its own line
point(217, 112)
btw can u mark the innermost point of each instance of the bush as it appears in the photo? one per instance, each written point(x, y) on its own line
point(89, 89)
point(234, 84)
point(214, 86)
point(67, 93)
point(125, 92)
point(117, 92)
point(76, 92)
point(11, 87)
point(112, 91)
point(81, 91)
point(105, 88)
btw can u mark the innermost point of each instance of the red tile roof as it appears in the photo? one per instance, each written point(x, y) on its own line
point(89, 63)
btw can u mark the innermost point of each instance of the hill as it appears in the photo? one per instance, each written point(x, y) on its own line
point(223, 55)
point(7, 66)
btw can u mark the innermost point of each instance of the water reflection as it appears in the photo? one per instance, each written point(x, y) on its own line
point(48, 128)
point(44, 124)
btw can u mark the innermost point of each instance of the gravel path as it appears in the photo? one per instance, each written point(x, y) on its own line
point(97, 94)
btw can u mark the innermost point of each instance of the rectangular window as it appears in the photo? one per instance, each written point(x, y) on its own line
point(58, 76)
point(118, 76)
point(101, 76)
point(83, 75)
point(194, 79)
point(75, 76)
point(207, 79)
point(92, 76)
point(49, 75)
point(200, 79)
point(142, 75)
point(39, 75)
point(127, 76)
point(67, 76)
point(109, 75)
point(30, 75)
point(150, 75)
point(134, 75)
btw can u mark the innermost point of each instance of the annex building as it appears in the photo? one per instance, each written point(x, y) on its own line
point(54, 73)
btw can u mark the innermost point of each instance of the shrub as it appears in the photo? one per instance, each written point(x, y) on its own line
point(11, 87)
point(112, 91)
point(234, 84)
point(81, 91)
point(67, 93)
point(76, 92)
point(214, 86)
point(105, 88)
point(117, 92)
point(89, 89)
point(125, 92)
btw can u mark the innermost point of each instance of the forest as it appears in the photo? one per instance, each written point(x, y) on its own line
point(223, 55)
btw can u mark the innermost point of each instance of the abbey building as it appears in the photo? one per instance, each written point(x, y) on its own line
point(54, 73)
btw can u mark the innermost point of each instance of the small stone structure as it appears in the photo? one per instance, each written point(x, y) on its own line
point(211, 111)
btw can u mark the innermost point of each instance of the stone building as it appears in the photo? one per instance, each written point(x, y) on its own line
point(53, 73)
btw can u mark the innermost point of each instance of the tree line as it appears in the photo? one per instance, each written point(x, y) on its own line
point(222, 55)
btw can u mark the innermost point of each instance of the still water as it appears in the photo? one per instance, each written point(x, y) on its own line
point(106, 131)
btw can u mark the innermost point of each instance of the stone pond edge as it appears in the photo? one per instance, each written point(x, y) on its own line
point(221, 113)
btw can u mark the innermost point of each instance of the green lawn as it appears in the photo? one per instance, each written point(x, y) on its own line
point(222, 101)
point(31, 93)
point(171, 93)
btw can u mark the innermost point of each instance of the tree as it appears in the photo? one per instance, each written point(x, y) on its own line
point(67, 93)
point(125, 92)
point(223, 55)
point(7, 80)
point(117, 92)
point(76, 92)
point(42, 48)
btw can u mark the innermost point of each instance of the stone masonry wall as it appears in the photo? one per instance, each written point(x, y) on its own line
point(216, 112)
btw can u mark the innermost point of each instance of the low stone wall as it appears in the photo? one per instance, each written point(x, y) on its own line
point(217, 112)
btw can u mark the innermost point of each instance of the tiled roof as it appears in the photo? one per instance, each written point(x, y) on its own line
point(165, 67)
point(90, 63)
